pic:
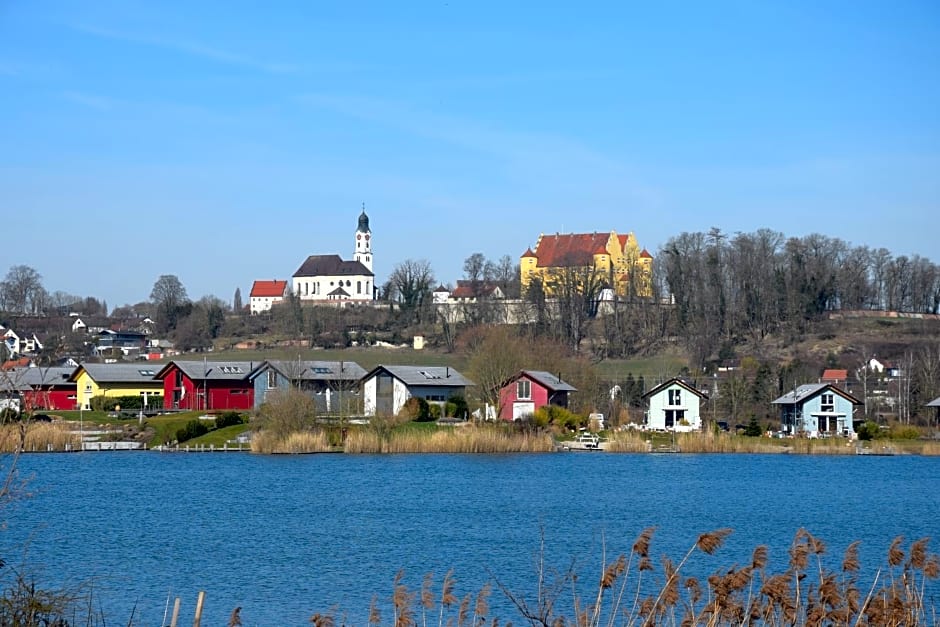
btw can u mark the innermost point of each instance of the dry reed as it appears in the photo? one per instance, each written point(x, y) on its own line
point(710, 442)
point(468, 439)
point(292, 443)
point(39, 436)
point(805, 592)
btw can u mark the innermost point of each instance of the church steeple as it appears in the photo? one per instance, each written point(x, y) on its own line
point(364, 240)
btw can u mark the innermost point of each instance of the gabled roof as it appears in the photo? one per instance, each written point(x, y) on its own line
point(472, 289)
point(645, 254)
point(805, 392)
point(331, 265)
point(339, 292)
point(675, 381)
point(934, 403)
point(312, 370)
point(835, 374)
point(549, 381)
point(426, 376)
point(12, 364)
point(268, 289)
point(44, 377)
point(570, 249)
point(209, 370)
point(116, 373)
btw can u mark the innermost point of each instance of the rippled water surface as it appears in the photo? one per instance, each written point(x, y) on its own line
point(284, 537)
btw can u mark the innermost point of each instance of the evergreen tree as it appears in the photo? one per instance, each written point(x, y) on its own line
point(237, 301)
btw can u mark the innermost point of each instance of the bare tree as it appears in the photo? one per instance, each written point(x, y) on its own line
point(410, 284)
point(168, 297)
point(21, 292)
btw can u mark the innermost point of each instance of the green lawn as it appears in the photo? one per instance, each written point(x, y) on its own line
point(218, 437)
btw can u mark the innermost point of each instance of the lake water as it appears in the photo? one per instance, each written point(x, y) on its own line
point(286, 536)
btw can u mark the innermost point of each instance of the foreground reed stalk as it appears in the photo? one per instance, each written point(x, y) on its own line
point(806, 593)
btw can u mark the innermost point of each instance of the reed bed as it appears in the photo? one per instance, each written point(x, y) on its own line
point(467, 439)
point(37, 436)
point(632, 590)
point(292, 443)
point(709, 442)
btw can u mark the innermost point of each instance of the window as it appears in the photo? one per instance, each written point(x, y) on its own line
point(359, 287)
point(523, 388)
point(179, 379)
point(272, 378)
point(827, 402)
point(675, 397)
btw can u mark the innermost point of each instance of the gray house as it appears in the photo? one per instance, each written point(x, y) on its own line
point(817, 410)
point(334, 385)
point(675, 405)
point(386, 388)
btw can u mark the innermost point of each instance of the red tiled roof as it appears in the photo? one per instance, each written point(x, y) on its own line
point(528, 253)
point(268, 289)
point(12, 364)
point(466, 289)
point(645, 254)
point(573, 249)
point(835, 375)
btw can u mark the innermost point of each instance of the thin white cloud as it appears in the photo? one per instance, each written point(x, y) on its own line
point(193, 48)
point(531, 156)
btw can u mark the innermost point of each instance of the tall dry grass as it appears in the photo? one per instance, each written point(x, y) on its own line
point(632, 590)
point(710, 442)
point(292, 443)
point(466, 439)
point(36, 437)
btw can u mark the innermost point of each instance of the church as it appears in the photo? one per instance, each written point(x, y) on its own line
point(331, 279)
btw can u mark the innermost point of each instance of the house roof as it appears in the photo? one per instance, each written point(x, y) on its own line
point(116, 373)
point(675, 381)
point(934, 403)
point(805, 392)
point(22, 362)
point(338, 292)
point(209, 370)
point(570, 249)
point(834, 374)
point(312, 370)
point(432, 376)
point(472, 289)
point(547, 380)
point(331, 265)
point(645, 254)
point(40, 377)
point(268, 289)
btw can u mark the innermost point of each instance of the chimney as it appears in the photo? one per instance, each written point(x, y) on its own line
point(447, 372)
point(559, 377)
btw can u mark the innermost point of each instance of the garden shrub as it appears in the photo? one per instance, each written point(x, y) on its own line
point(193, 429)
point(227, 419)
point(457, 407)
point(415, 409)
point(558, 417)
point(435, 411)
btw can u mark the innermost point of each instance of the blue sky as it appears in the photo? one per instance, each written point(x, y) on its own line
point(226, 141)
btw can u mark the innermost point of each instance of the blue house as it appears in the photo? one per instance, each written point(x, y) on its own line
point(817, 410)
point(333, 385)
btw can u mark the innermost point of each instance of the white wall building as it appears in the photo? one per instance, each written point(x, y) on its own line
point(329, 278)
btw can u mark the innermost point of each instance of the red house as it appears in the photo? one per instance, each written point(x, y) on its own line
point(530, 389)
point(207, 385)
point(46, 388)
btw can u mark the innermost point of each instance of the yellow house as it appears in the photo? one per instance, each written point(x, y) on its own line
point(617, 259)
point(114, 380)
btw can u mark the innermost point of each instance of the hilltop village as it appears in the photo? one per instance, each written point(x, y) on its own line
point(734, 326)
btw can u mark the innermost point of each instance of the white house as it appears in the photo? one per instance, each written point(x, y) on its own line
point(386, 388)
point(674, 406)
point(330, 278)
point(265, 294)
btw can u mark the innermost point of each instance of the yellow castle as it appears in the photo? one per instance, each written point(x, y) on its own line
point(617, 259)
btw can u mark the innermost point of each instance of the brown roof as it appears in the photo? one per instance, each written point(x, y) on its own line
point(572, 249)
point(268, 289)
point(833, 374)
point(331, 265)
point(645, 254)
point(467, 289)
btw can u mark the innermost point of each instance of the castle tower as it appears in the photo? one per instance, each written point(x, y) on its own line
point(364, 240)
